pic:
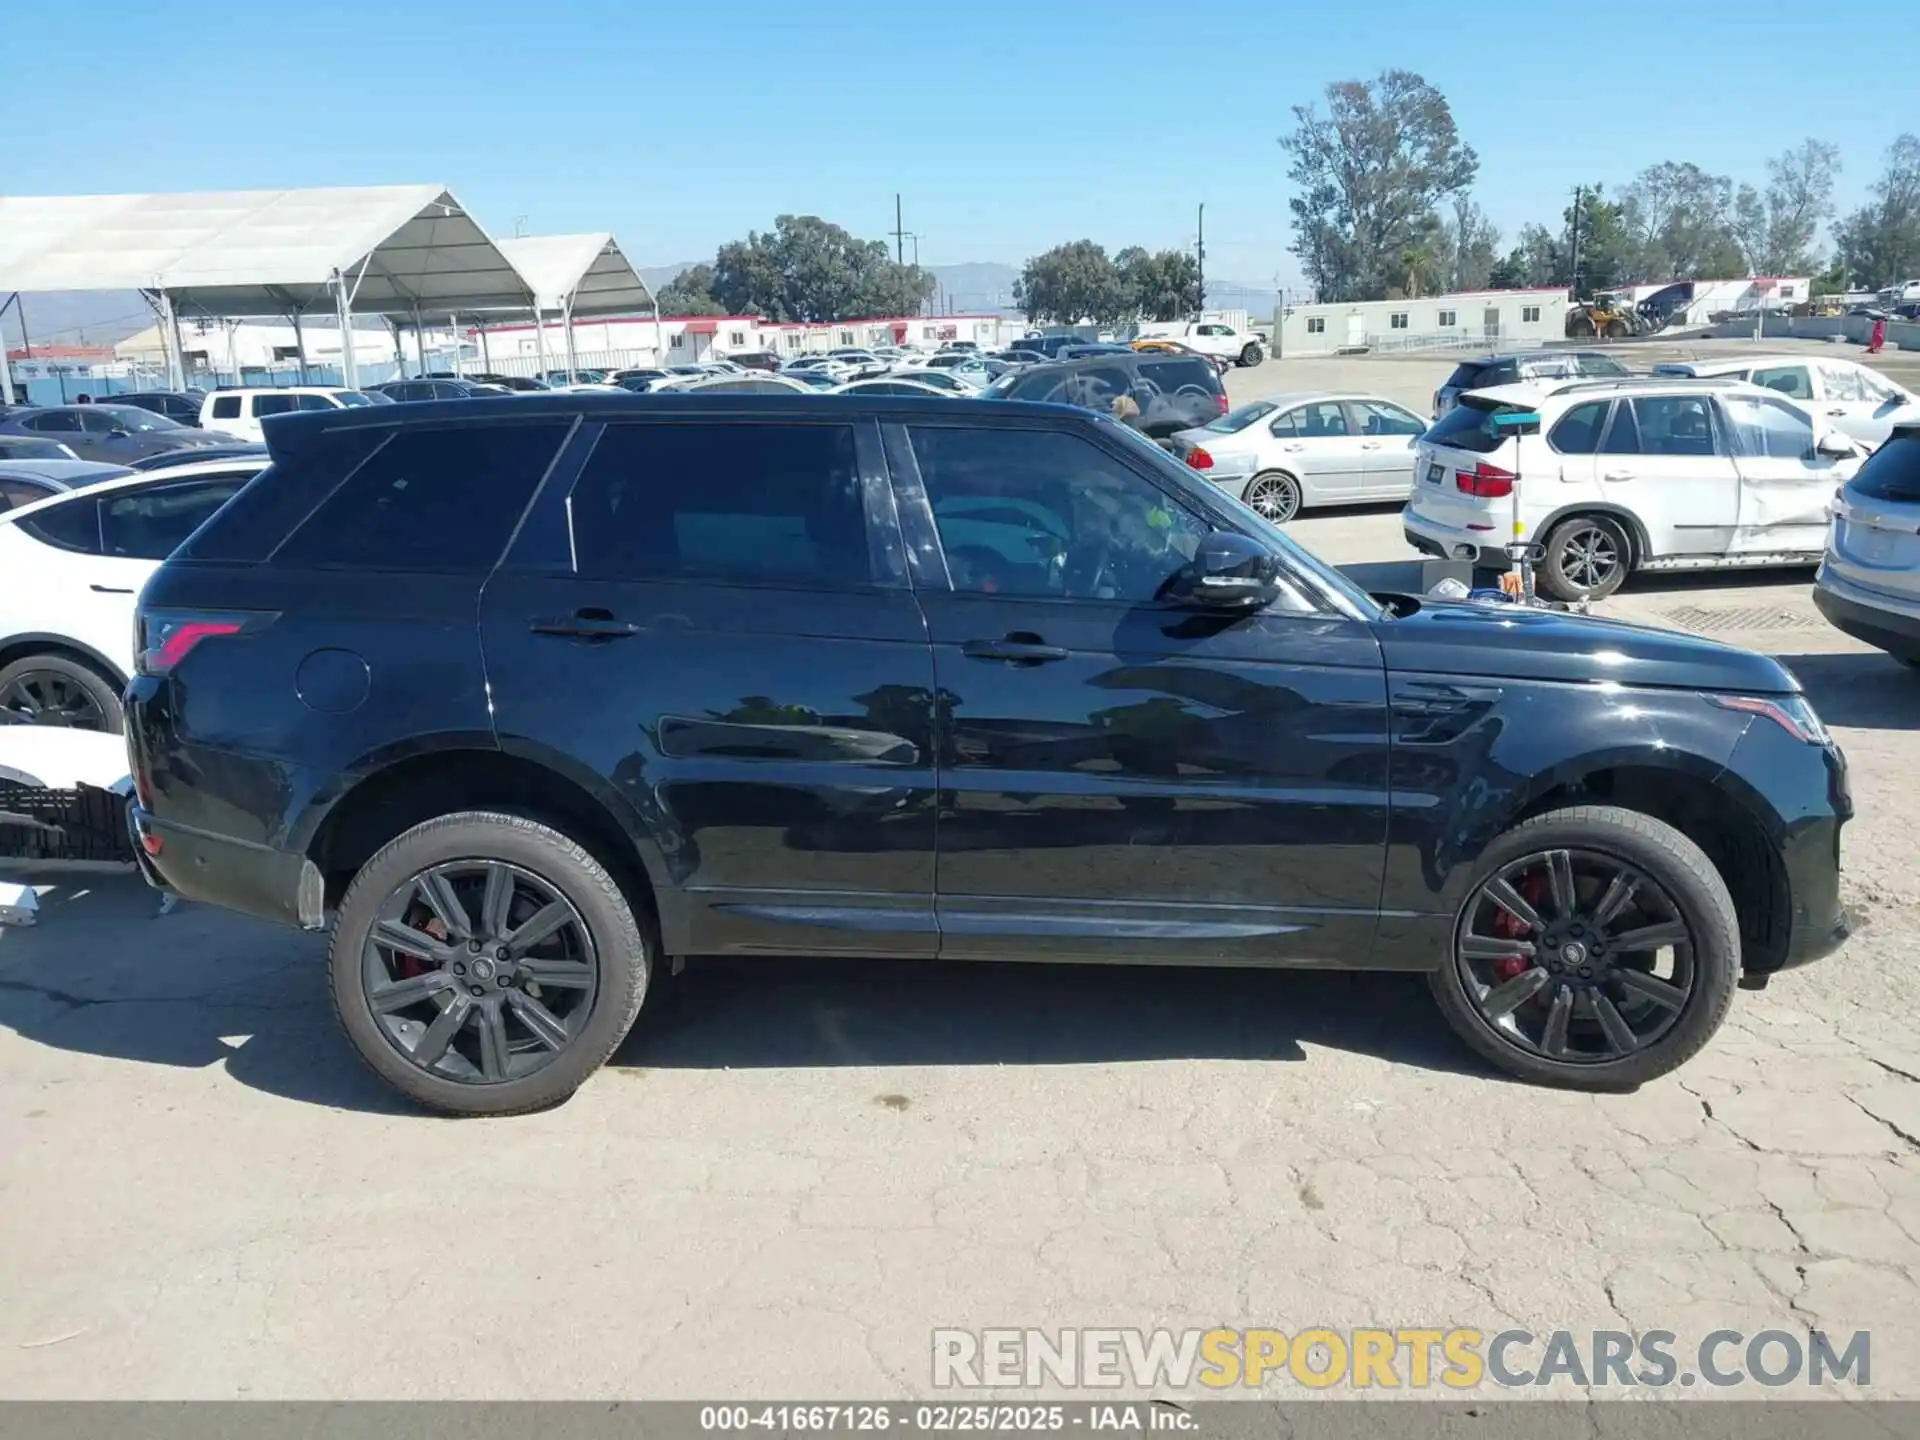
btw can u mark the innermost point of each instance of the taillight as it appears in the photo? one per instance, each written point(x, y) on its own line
point(1221, 401)
point(166, 637)
point(1199, 459)
point(1487, 481)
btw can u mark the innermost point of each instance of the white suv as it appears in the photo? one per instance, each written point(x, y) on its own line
point(239, 412)
point(1858, 400)
point(1649, 473)
point(73, 566)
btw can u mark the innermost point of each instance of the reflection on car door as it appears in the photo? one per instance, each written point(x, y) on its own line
point(1667, 459)
point(740, 667)
point(1386, 447)
point(1318, 447)
point(1786, 485)
point(1117, 775)
point(1860, 404)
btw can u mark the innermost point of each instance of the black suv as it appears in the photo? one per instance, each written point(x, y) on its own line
point(528, 701)
point(1543, 365)
point(1158, 395)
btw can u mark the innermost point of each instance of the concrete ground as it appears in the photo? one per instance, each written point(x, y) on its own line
point(795, 1171)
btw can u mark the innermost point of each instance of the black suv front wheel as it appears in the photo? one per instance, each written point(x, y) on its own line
point(485, 964)
point(1597, 950)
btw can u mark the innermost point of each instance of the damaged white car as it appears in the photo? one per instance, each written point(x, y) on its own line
point(1646, 473)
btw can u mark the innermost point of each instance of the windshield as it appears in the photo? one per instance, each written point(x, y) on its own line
point(1338, 588)
point(131, 417)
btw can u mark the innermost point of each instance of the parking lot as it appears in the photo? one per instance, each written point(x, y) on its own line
point(794, 1171)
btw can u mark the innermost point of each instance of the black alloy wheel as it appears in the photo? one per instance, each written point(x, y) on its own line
point(53, 690)
point(1575, 956)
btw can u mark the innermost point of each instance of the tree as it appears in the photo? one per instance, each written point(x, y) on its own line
point(1470, 246)
point(807, 269)
point(1776, 230)
point(1421, 266)
point(1070, 284)
point(690, 293)
point(1607, 252)
point(1879, 243)
point(1681, 219)
point(1372, 170)
point(1164, 285)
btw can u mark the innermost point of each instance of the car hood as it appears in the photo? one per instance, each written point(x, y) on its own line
point(1502, 641)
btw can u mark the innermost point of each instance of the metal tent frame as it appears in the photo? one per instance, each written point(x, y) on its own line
point(581, 276)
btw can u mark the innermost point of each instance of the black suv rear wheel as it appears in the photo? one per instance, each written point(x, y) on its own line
point(485, 964)
point(1597, 950)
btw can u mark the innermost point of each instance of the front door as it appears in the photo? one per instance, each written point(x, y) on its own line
point(711, 630)
point(1356, 332)
point(1120, 778)
point(1786, 484)
point(1387, 435)
point(1667, 459)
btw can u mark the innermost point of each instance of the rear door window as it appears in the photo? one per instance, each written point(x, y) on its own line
point(1676, 425)
point(53, 421)
point(439, 500)
point(1768, 428)
point(313, 402)
point(274, 405)
point(739, 504)
point(150, 523)
point(1578, 432)
point(226, 407)
point(1182, 372)
point(1376, 418)
point(1794, 380)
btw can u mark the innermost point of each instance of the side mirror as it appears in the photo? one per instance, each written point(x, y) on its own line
point(1230, 571)
point(1834, 445)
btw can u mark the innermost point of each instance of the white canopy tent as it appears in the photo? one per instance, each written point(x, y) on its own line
point(580, 275)
point(394, 250)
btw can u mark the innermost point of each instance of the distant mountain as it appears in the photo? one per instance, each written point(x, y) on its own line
point(77, 317)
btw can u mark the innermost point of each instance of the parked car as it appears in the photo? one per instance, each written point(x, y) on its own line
point(1652, 473)
point(1857, 400)
point(32, 447)
point(181, 405)
point(1288, 452)
point(969, 370)
point(897, 385)
point(1211, 337)
point(756, 383)
point(233, 450)
point(764, 360)
point(582, 376)
point(404, 391)
point(839, 370)
point(860, 362)
point(813, 379)
point(1869, 579)
point(112, 434)
point(22, 482)
point(237, 414)
point(947, 382)
point(1169, 393)
point(1092, 347)
point(1050, 346)
point(74, 565)
point(1542, 366)
point(638, 381)
point(519, 384)
point(970, 691)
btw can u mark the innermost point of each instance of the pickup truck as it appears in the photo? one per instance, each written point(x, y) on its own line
point(1211, 337)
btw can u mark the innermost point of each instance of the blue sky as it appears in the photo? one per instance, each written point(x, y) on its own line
point(1007, 127)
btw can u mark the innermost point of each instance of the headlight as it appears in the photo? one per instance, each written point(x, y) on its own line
point(1792, 713)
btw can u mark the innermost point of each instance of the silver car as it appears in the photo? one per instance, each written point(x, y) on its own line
point(1869, 580)
point(1288, 452)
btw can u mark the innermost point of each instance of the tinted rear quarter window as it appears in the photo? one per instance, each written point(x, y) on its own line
point(439, 500)
point(280, 497)
point(1465, 376)
point(74, 525)
point(737, 503)
point(1466, 427)
point(274, 404)
point(1892, 472)
point(226, 407)
point(1181, 372)
point(1578, 431)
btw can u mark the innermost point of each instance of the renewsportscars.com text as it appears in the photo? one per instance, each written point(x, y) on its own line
point(1319, 1358)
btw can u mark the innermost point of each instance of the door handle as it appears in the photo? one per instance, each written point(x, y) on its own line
point(1837, 410)
point(1369, 444)
point(110, 589)
point(599, 626)
point(1293, 445)
point(1616, 475)
point(1018, 652)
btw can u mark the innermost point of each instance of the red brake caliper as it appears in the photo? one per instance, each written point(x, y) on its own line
point(1533, 889)
point(412, 965)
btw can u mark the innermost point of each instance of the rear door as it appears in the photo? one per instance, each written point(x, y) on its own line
point(1861, 404)
point(1669, 461)
point(1317, 443)
point(64, 426)
point(58, 583)
point(711, 628)
point(1786, 484)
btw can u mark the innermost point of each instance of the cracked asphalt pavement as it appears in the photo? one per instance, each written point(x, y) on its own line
point(795, 1171)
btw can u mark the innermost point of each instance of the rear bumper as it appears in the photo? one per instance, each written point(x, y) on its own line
point(1446, 542)
point(253, 879)
point(1879, 621)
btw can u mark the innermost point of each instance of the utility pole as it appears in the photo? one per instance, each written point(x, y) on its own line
point(1574, 277)
point(1200, 255)
point(899, 233)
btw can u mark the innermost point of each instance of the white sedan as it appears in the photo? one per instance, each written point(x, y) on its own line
point(1855, 399)
point(1287, 452)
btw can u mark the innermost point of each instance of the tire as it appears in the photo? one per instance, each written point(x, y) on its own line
point(1575, 551)
point(1275, 495)
point(621, 946)
point(1656, 852)
point(1618, 330)
point(59, 690)
point(1249, 357)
